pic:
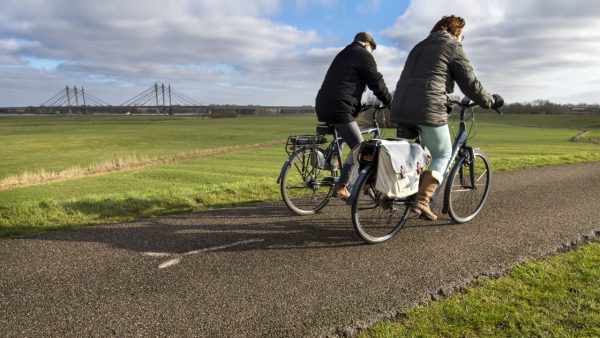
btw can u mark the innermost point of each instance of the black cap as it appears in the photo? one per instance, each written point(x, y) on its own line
point(365, 37)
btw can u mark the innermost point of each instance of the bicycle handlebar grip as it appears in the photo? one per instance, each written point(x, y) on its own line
point(498, 101)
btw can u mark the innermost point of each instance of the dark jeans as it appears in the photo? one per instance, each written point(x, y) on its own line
point(350, 133)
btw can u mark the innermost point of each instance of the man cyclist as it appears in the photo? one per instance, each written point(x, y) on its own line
point(339, 99)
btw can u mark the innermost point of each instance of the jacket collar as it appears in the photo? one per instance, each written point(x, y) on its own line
point(442, 34)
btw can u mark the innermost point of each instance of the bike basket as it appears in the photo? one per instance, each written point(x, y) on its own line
point(299, 141)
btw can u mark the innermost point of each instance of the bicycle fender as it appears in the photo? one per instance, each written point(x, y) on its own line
point(472, 152)
point(361, 176)
point(285, 165)
point(448, 184)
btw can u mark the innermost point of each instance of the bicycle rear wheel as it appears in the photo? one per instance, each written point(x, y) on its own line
point(468, 187)
point(306, 189)
point(375, 218)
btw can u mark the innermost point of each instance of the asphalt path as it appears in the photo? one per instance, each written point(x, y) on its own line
point(259, 271)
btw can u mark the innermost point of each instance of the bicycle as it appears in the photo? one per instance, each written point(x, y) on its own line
point(313, 167)
point(467, 182)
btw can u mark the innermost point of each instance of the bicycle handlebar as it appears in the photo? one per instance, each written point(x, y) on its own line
point(365, 107)
point(377, 109)
point(471, 104)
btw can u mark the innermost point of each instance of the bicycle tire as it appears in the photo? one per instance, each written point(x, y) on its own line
point(376, 219)
point(465, 199)
point(305, 189)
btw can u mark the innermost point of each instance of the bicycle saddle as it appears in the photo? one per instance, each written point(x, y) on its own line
point(407, 131)
point(325, 129)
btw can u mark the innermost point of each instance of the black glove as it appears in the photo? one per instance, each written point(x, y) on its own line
point(386, 102)
point(498, 101)
point(448, 109)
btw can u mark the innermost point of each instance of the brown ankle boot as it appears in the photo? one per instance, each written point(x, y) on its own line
point(427, 186)
point(341, 191)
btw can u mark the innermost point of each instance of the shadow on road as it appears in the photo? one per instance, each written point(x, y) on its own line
point(259, 227)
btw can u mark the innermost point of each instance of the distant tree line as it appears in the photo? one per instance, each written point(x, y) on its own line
point(547, 107)
point(534, 107)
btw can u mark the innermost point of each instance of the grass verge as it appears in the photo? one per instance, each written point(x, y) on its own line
point(191, 185)
point(558, 296)
point(42, 177)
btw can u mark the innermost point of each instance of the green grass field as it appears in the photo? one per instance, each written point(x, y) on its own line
point(55, 143)
point(558, 296)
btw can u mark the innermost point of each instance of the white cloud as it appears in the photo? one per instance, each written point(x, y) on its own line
point(138, 42)
point(524, 50)
point(229, 51)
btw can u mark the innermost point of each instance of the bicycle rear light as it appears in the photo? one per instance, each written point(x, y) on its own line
point(366, 157)
point(368, 150)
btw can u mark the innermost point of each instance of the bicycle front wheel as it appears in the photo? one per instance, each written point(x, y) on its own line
point(375, 218)
point(305, 188)
point(468, 187)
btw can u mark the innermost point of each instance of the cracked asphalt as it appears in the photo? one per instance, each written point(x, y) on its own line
point(260, 271)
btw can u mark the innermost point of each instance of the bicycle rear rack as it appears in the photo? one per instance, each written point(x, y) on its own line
point(296, 142)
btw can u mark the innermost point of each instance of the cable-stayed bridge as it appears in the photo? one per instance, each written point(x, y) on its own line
point(68, 97)
point(157, 99)
point(155, 96)
point(160, 95)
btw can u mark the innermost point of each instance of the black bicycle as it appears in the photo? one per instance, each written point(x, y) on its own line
point(313, 166)
point(467, 186)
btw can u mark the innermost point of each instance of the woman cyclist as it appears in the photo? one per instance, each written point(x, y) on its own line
point(420, 100)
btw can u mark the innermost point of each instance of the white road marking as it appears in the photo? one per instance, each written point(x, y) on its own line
point(226, 246)
point(157, 254)
point(169, 263)
point(178, 257)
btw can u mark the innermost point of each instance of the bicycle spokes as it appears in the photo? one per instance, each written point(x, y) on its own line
point(468, 187)
point(376, 218)
point(304, 187)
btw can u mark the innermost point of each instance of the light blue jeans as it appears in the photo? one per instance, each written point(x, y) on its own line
point(439, 143)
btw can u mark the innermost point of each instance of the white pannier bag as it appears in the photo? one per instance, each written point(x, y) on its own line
point(400, 163)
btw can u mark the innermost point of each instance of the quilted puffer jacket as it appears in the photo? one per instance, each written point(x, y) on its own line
point(431, 69)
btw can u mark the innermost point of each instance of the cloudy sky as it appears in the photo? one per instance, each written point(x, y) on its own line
point(276, 52)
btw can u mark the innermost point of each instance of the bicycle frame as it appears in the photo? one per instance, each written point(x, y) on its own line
point(334, 148)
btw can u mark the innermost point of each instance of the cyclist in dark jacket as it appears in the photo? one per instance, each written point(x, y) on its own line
point(420, 99)
point(339, 99)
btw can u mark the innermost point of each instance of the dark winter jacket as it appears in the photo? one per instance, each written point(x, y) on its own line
point(431, 69)
point(353, 69)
